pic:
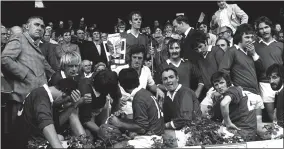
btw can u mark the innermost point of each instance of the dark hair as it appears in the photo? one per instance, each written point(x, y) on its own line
point(241, 30)
point(168, 69)
point(132, 13)
point(105, 81)
point(279, 69)
point(226, 40)
point(66, 85)
point(34, 17)
point(128, 78)
point(137, 49)
point(171, 43)
point(66, 31)
point(199, 37)
point(160, 27)
point(267, 21)
point(203, 22)
point(181, 18)
point(95, 30)
point(218, 75)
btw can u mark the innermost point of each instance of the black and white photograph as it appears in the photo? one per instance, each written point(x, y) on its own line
point(142, 74)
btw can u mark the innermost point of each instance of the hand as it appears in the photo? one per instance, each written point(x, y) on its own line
point(87, 98)
point(232, 126)
point(160, 94)
point(250, 49)
point(113, 120)
point(197, 93)
point(75, 95)
point(216, 95)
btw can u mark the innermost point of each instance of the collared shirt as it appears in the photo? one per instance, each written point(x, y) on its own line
point(208, 50)
point(267, 44)
point(88, 75)
point(187, 31)
point(231, 42)
point(98, 48)
point(136, 36)
point(277, 92)
point(173, 96)
point(176, 65)
point(133, 93)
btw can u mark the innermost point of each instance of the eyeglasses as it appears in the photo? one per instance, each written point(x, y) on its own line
point(222, 45)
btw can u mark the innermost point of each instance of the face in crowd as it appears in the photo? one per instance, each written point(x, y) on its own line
point(136, 21)
point(170, 80)
point(221, 4)
point(222, 44)
point(35, 28)
point(278, 27)
point(264, 30)
point(96, 36)
point(174, 50)
point(104, 36)
point(121, 28)
point(137, 60)
point(246, 39)
point(275, 81)
point(72, 68)
point(80, 34)
point(201, 48)
point(47, 36)
point(203, 27)
point(4, 35)
point(224, 32)
point(67, 37)
point(87, 66)
point(220, 85)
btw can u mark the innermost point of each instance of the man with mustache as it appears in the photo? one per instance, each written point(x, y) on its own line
point(275, 73)
point(186, 70)
point(270, 51)
point(180, 105)
point(243, 64)
point(23, 62)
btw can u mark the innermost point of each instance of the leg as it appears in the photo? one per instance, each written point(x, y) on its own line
point(75, 124)
point(268, 97)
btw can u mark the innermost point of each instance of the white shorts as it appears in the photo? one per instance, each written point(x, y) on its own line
point(255, 100)
point(266, 92)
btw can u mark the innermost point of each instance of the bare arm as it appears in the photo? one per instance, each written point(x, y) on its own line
point(51, 136)
point(225, 112)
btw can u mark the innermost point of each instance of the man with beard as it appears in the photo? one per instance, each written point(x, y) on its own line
point(270, 51)
point(275, 73)
point(180, 105)
point(133, 36)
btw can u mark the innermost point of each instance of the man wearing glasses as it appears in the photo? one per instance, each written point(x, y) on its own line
point(227, 33)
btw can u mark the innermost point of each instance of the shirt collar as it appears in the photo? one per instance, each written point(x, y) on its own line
point(48, 93)
point(239, 48)
point(97, 94)
point(226, 6)
point(187, 31)
point(88, 75)
point(280, 90)
point(261, 40)
point(129, 32)
point(173, 96)
point(208, 50)
point(133, 93)
point(170, 62)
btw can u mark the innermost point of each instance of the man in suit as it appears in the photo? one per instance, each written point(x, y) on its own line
point(4, 37)
point(96, 53)
point(182, 27)
point(23, 61)
point(48, 51)
point(228, 15)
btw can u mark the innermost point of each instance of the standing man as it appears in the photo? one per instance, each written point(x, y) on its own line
point(97, 53)
point(227, 33)
point(181, 25)
point(133, 36)
point(24, 61)
point(270, 51)
point(228, 15)
point(243, 64)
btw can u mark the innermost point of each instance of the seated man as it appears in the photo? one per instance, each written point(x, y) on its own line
point(276, 74)
point(37, 120)
point(181, 104)
point(147, 115)
point(95, 112)
point(235, 107)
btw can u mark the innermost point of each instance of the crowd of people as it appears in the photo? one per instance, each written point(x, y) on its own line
point(53, 79)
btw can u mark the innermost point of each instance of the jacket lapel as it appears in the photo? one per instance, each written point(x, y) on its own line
point(31, 42)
